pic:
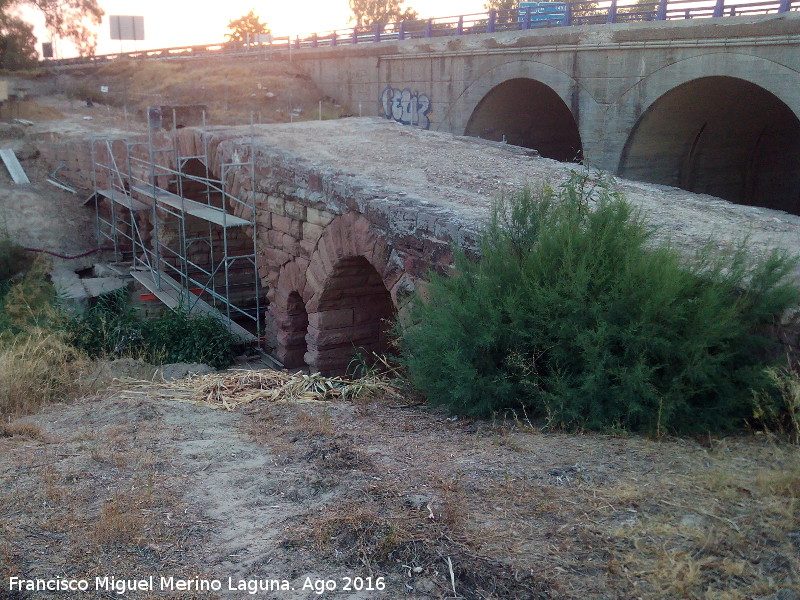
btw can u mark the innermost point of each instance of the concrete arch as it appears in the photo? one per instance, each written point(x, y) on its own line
point(558, 81)
point(527, 113)
point(722, 136)
point(780, 80)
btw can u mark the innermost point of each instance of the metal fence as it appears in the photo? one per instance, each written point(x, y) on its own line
point(563, 14)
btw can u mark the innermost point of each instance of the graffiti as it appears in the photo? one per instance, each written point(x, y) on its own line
point(406, 107)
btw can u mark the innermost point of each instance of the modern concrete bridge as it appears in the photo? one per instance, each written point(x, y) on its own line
point(707, 105)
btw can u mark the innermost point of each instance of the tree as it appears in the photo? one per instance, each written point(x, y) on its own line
point(71, 20)
point(500, 4)
point(17, 43)
point(248, 24)
point(369, 12)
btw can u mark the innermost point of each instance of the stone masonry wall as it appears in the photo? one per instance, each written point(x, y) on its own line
point(340, 257)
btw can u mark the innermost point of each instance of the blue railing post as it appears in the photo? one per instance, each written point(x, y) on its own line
point(785, 6)
point(492, 19)
point(401, 32)
point(527, 18)
point(429, 28)
point(661, 14)
point(612, 12)
point(333, 39)
point(460, 28)
point(719, 9)
point(377, 32)
point(314, 41)
point(297, 41)
point(355, 35)
point(568, 15)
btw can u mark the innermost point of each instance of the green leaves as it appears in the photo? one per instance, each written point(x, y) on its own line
point(112, 328)
point(572, 313)
point(246, 25)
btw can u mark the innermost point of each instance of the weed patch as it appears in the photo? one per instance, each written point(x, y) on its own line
point(21, 429)
point(36, 367)
point(111, 328)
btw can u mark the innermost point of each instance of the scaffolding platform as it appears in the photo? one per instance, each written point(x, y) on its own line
point(191, 207)
point(122, 199)
point(173, 295)
point(210, 267)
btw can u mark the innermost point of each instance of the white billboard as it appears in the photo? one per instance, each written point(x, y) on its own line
point(124, 27)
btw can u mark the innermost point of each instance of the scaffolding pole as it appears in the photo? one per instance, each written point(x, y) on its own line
point(164, 263)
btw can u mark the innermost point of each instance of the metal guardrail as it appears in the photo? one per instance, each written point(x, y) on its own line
point(578, 12)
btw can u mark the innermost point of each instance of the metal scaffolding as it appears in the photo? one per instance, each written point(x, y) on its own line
point(197, 254)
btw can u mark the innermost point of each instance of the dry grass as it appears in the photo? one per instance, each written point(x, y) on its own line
point(36, 367)
point(22, 429)
point(522, 514)
point(441, 508)
point(231, 89)
point(28, 109)
point(235, 388)
point(783, 419)
point(63, 510)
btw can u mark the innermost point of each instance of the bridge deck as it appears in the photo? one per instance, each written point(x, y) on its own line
point(437, 176)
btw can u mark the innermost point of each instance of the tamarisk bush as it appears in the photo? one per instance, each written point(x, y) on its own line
point(574, 313)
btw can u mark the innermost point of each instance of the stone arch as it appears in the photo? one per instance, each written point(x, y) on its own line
point(354, 315)
point(719, 135)
point(288, 315)
point(347, 294)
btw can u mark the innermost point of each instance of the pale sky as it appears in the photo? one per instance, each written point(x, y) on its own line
point(170, 23)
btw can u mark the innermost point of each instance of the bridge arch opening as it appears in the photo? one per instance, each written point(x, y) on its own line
point(355, 315)
point(528, 113)
point(722, 136)
point(293, 334)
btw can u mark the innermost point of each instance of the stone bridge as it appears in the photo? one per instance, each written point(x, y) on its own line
point(707, 105)
point(351, 216)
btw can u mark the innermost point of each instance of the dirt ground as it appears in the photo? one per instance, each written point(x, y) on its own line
point(136, 482)
point(140, 484)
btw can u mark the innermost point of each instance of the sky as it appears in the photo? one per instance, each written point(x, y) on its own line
point(170, 23)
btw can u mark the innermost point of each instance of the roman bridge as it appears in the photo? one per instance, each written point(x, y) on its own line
point(707, 105)
point(311, 238)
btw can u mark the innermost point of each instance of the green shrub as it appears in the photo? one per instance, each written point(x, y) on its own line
point(14, 261)
point(573, 314)
point(178, 337)
point(108, 328)
point(112, 328)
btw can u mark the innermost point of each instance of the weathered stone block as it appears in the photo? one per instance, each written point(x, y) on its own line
point(276, 257)
point(311, 231)
point(287, 225)
point(305, 248)
point(331, 319)
point(295, 210)
point(319, 217)
point(276, 205)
